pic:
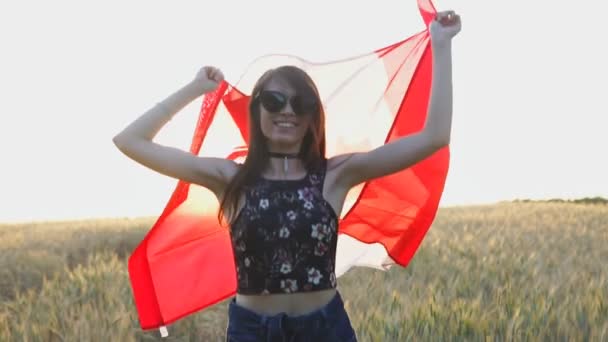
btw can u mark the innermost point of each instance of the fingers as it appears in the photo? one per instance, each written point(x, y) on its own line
point(210, 71)
point(448, 13)
point(443, 15)
point(447, 17)
point(214, 74)
point(219, 76)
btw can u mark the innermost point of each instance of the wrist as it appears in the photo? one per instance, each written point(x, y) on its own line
point(441, 45)
point(199, 88)
point(442, 52)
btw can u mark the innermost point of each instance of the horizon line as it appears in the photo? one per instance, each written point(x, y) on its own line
point(585, 199)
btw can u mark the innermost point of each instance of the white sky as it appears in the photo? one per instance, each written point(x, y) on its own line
point(529, 91)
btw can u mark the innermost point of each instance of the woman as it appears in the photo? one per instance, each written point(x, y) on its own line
point(283, 203)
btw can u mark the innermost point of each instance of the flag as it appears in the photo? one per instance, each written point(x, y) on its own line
point(185, 262)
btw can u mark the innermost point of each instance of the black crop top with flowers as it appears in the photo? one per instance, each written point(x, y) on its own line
point(284, 239)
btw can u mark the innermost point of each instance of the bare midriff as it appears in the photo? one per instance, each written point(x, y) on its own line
point(292, 304)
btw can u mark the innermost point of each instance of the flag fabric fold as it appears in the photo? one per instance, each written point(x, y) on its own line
point(185, 262)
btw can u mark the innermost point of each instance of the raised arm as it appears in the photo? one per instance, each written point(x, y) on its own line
point(402, 153)
point(136, 140)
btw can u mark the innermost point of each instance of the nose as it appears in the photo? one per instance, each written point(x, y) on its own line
point(287, 109)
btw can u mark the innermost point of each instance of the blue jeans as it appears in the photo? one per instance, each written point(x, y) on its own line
point(328, 323)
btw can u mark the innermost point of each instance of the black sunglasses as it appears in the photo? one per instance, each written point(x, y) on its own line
point(274, 101)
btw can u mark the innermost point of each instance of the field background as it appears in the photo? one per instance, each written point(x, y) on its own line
point(510, 271)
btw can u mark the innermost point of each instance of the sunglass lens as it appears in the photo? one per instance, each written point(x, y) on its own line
point(304, 104)
point(273, 101)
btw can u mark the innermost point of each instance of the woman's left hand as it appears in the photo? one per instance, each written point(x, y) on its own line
point(444, 27)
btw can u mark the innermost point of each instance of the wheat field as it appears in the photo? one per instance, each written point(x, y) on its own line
point(504, 272)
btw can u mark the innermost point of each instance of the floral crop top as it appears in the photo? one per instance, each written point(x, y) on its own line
point(285, 237)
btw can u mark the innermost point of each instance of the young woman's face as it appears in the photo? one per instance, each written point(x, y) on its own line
point(282, 125)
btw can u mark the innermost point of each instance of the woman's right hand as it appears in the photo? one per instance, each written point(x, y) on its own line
point(207, 79)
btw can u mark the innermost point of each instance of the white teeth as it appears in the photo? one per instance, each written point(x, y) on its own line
point(285, 124)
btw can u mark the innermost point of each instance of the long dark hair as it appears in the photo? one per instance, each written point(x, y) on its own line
point(312, 149)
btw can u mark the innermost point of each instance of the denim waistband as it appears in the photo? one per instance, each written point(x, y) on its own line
point(277, 325)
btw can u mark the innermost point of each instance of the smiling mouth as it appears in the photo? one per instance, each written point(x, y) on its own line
point(285, 124)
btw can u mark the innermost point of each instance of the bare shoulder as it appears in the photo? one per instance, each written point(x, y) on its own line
point(335, 162)
point(337, 169)
point(220, 174)
point(230, 169)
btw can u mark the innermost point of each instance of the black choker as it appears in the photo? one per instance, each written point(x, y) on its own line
point(284, 155)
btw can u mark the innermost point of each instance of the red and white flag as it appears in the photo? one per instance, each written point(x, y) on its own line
point(185, 262)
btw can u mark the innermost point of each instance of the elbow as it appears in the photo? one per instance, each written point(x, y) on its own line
point(438, 141)
point(120, 141)
point(438, 136)
point(117, 140)
point(442, 142)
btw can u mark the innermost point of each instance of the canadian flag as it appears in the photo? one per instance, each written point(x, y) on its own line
point(185, 262)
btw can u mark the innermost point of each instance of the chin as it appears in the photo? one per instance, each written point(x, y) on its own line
point(283, 140)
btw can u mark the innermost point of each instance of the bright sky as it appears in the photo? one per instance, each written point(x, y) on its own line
point(529, 91)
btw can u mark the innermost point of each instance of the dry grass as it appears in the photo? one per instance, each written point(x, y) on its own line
point(506, 272)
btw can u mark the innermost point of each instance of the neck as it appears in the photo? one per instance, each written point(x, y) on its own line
point(283, 155)
point(285, 165)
